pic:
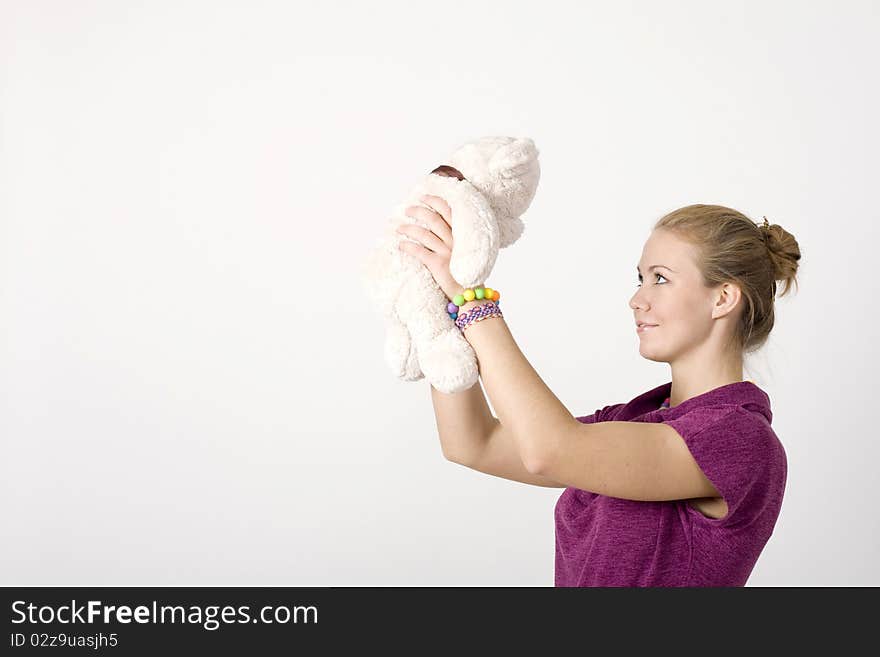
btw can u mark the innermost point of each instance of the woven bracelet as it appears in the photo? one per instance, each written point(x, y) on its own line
point(478, 314)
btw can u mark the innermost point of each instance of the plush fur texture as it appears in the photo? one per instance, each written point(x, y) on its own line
point(422, 340)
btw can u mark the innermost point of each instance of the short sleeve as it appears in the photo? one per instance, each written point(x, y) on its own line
point(605, 414)
point(739, 453)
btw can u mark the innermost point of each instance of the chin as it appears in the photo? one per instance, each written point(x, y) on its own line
point(656, 359)
point(656, 355)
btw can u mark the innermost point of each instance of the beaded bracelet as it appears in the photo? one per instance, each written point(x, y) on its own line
point(478, 314)
point(469, 295)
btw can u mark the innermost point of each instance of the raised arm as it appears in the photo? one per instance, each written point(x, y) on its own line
point(464, 421)
point(532, 417)
point(471, 436)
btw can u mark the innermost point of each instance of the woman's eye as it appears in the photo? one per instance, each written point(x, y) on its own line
point(656, 273)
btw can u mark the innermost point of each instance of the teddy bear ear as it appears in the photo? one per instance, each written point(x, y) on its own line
point(516, 159)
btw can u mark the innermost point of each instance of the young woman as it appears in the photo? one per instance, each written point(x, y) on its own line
point(680, 486)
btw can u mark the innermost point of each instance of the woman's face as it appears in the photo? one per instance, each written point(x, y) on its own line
point(673, 297)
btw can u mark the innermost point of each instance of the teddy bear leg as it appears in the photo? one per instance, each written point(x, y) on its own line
point(400, 352)
point(448, 361)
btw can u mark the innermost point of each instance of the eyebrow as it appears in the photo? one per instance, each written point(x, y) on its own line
point(656, 267)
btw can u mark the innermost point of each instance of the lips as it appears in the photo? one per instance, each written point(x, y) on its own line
point(641, 328)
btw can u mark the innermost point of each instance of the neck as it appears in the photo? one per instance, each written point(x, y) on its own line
point(695, 377)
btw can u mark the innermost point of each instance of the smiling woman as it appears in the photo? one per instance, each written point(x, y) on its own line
point(708, 300)
point(682, 485)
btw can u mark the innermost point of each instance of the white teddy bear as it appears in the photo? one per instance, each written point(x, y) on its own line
point(487, 183)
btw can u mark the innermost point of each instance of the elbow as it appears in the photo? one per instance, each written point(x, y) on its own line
point(535, 463)
point(454, 457)
point(540, 458)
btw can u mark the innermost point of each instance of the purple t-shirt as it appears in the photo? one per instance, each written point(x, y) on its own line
point(610, 541)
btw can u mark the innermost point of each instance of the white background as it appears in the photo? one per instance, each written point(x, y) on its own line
point(193, 388)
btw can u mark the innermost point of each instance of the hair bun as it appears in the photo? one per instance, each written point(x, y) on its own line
point(784, 252)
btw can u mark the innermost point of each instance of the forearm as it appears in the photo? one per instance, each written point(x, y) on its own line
point(522, 401)
point(464, 421)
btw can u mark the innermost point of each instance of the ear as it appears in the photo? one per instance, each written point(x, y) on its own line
point(727, 299)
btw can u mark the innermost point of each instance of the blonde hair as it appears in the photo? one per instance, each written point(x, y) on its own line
point(733, 248)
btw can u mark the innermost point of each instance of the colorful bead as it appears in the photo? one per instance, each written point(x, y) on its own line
point(477, 313)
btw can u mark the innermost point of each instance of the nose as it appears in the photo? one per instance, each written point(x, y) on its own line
point(637, 302)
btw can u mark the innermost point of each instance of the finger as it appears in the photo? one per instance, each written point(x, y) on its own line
point(428, 257)
point(434, 220)
point(438, 205)
point(424, 236)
